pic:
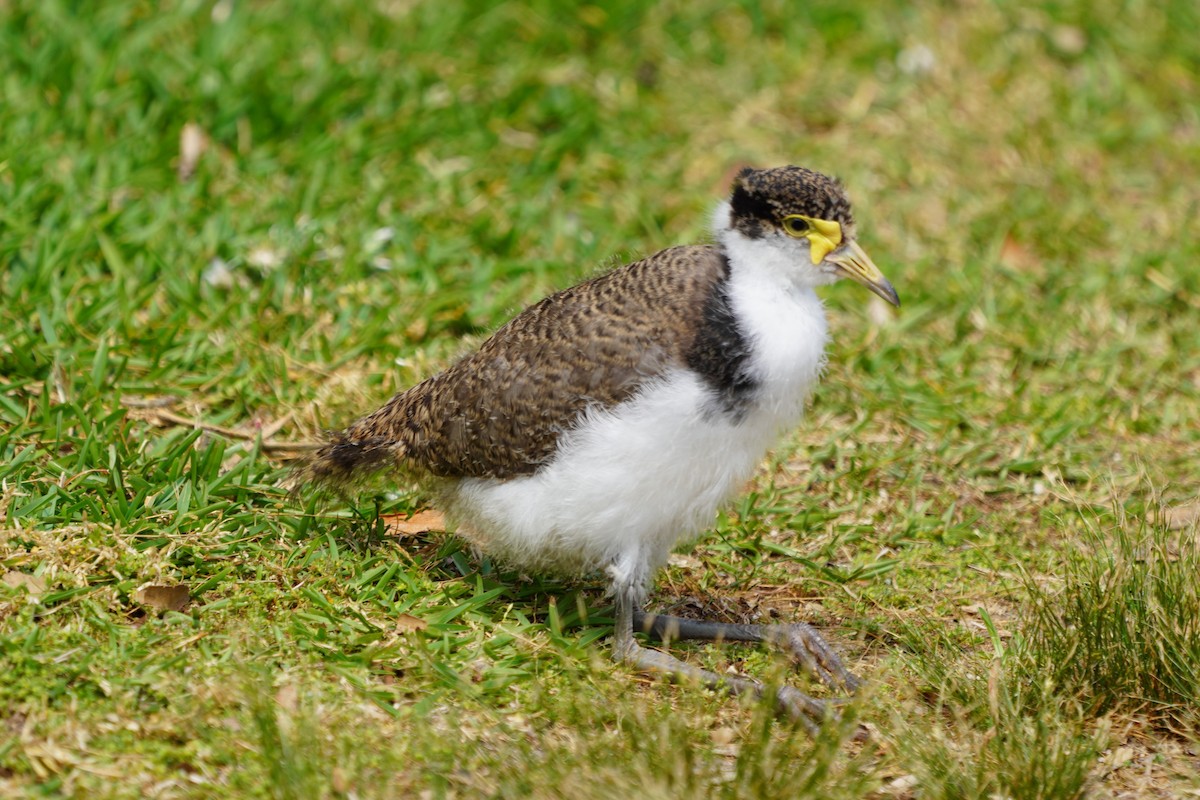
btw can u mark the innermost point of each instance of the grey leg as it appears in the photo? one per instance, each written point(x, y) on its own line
point(799, 706)
point(800, 641)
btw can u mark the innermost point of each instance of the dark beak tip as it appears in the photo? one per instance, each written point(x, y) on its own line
point(888, 292)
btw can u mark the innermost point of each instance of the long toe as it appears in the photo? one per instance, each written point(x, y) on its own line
point(809, 711)
point(806, 710)
point(814, 654)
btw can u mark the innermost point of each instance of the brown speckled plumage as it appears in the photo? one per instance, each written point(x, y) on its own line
point(498, 412)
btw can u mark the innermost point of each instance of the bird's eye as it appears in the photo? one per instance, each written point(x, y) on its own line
point(796, 225)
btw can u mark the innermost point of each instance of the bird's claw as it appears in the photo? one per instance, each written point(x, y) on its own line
point(812, 653)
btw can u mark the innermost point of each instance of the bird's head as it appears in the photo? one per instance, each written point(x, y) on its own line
point(804, 216)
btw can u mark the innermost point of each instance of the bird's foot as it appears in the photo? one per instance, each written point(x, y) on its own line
point(808, 711)
point(802, 642)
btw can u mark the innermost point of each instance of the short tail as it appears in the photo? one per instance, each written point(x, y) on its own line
point(371, 444)
point(345, 460)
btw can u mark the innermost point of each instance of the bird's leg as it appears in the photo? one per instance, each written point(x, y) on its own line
point(807, 710)
point(799, 640)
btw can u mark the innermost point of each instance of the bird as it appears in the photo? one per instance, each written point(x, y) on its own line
point(606, 424)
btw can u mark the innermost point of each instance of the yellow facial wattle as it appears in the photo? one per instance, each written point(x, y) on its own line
point(824, 235)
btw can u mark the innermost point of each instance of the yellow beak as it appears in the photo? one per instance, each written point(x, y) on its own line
point(853, 262)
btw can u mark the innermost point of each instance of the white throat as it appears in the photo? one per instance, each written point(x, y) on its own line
point(771, 286)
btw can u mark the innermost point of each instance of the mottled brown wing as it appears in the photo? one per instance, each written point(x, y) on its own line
point(500, 411)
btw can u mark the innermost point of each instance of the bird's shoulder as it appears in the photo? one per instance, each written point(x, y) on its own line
point(657, 296)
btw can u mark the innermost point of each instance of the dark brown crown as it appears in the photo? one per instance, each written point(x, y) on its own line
point(763, 197)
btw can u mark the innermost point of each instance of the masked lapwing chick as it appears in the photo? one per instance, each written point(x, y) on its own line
point(607, 423)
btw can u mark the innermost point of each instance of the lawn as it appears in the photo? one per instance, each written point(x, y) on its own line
point(228, 226)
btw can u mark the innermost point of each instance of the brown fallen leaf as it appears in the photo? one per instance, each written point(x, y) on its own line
point(407, 623)
point(1180, 517)
point(420, 522)
point(288, 697)
point(34, 585)
point(192, 144)
point(1017, 256)
point(162, 597)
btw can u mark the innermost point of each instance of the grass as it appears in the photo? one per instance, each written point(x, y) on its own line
point(986, 507)
point(1124, 632)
